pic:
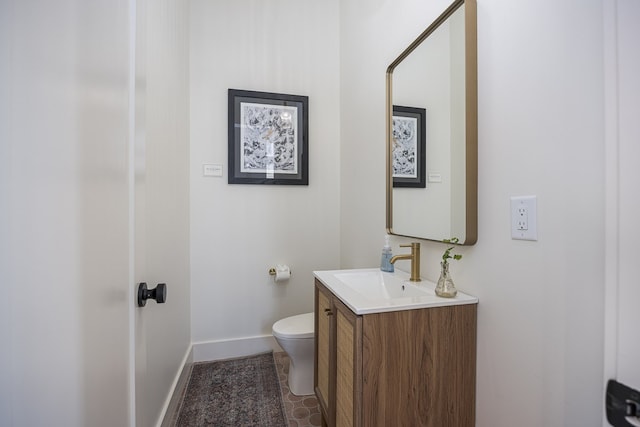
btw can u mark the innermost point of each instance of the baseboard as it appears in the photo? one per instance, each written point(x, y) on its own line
point(239, 347)
point(172, 404)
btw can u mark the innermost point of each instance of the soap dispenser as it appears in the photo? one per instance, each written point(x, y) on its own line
point(385, 261)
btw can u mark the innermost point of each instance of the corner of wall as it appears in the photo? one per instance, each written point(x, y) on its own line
point(171, 409)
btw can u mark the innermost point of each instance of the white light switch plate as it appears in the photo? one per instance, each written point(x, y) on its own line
point(435, 177)
point(524, 224)
point(212, 170)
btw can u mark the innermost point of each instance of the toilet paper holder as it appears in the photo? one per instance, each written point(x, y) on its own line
point(273, 271)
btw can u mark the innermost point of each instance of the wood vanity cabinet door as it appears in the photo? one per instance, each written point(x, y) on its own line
point(419, 367)
point(348, 394)
point(323, 348)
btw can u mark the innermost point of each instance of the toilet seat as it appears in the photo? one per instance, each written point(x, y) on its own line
point(300, 326)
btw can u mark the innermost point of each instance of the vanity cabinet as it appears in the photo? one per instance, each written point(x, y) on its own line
point(397, 368)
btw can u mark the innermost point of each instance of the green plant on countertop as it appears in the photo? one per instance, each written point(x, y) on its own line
point(447, 254)
point(445, 287)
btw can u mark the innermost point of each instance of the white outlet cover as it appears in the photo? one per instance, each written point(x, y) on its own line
point(528, 204)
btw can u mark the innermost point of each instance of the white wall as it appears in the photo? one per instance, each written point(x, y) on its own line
point(540, 79)
point(239, 231)
point(623, 207)
point(415, 87)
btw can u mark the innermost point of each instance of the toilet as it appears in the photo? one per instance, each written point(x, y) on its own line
point(295, 336)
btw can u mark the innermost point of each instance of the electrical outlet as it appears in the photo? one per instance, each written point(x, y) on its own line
point(523, 218)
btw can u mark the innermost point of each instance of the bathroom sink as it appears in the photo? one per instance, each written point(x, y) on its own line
point(380, 285)
point(373, 291)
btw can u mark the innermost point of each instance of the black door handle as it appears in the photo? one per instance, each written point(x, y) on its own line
point(159, 293)
point(622, 404)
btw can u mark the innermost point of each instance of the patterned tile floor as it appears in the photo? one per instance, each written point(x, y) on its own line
point(301, 411)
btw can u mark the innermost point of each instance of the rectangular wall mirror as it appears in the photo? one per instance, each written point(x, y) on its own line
point(432, 131)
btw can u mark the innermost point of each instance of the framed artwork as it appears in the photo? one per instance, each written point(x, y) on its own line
point(268, 138)
point(409, 147)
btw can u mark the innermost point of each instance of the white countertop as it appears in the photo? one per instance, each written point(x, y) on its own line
point(370, 290)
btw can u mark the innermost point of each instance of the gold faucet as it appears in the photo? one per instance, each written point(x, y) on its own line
point(414, 256)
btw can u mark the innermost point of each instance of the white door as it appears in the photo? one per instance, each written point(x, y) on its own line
point(70, 333)
point(64, 213)
point(629, 190)
point(623, 208)
point(162, 331)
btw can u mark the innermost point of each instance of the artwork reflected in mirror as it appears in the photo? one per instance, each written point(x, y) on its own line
point(409, 147)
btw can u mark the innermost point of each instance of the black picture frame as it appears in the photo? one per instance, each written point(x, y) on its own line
point(409, 147)
point(268, 138)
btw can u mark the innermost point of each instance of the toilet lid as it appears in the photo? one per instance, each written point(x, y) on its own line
point(300, 326)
